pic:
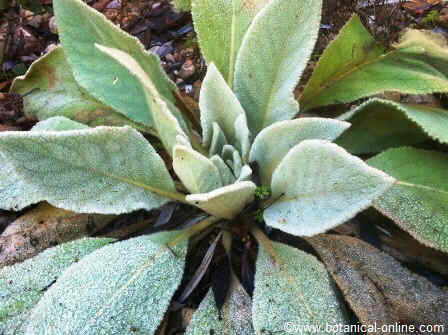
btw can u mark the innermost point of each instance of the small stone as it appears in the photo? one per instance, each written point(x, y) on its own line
point(170, 58)
point(187, 69)
point(52, 25)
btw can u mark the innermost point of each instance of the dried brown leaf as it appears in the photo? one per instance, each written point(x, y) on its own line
point(43, 227)
point(378, 289)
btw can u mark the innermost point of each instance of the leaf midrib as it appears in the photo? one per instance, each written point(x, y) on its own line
point(278, 263)
point(136, 274)
point(324, 86)
point(283, 55)
point(172, 195)
point(423, 187)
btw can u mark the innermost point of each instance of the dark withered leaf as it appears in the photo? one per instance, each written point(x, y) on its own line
point(200, 272)
point(377, 287)
point(221, 276)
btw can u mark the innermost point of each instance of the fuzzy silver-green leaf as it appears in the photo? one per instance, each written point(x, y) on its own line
point(15, 192)
point(122, 288)
point(221, 26)
point(22, 285)
point(319, 185)
point(58, 123)
point(219, 104)
point(51, 90)
point(233, 319)
point(80, 27)
point(273, 55)
point(293, 290)
point(225, 202)
point(197, 172)
point(167, 126)
point(275, 141)
point(105, 170)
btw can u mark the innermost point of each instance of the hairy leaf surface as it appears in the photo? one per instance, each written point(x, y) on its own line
point(197, 172)
point(22, 285)
point(51, 90)
point(122, 288)
point(275, 141)
point(380, 124)
point(245, 173)
point(15, 192)
point(234, 318)
point(58, 123)
point(219, 104)
point(319, 186)
point(225, 172)
point(379, 289)
point(418, 202)
point(218, 141)
point(273, 55)
point(225, 202)
point(221, 25)
point(167, 126)
point(80, 28)
point(293, 289)
point(355, 66)
point(103, 170)
point(182, 5)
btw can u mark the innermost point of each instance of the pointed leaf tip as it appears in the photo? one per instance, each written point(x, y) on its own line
point(274, 53)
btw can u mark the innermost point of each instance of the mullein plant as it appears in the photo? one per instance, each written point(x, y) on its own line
point(249, 164)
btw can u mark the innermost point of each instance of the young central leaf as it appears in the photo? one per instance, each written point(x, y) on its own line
point(275, 141)
point(219, 104)
point(197, 172)
point(319, 186)
point(273, 55)
point(225, 202)
point(221, 25)
point(103, 170)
